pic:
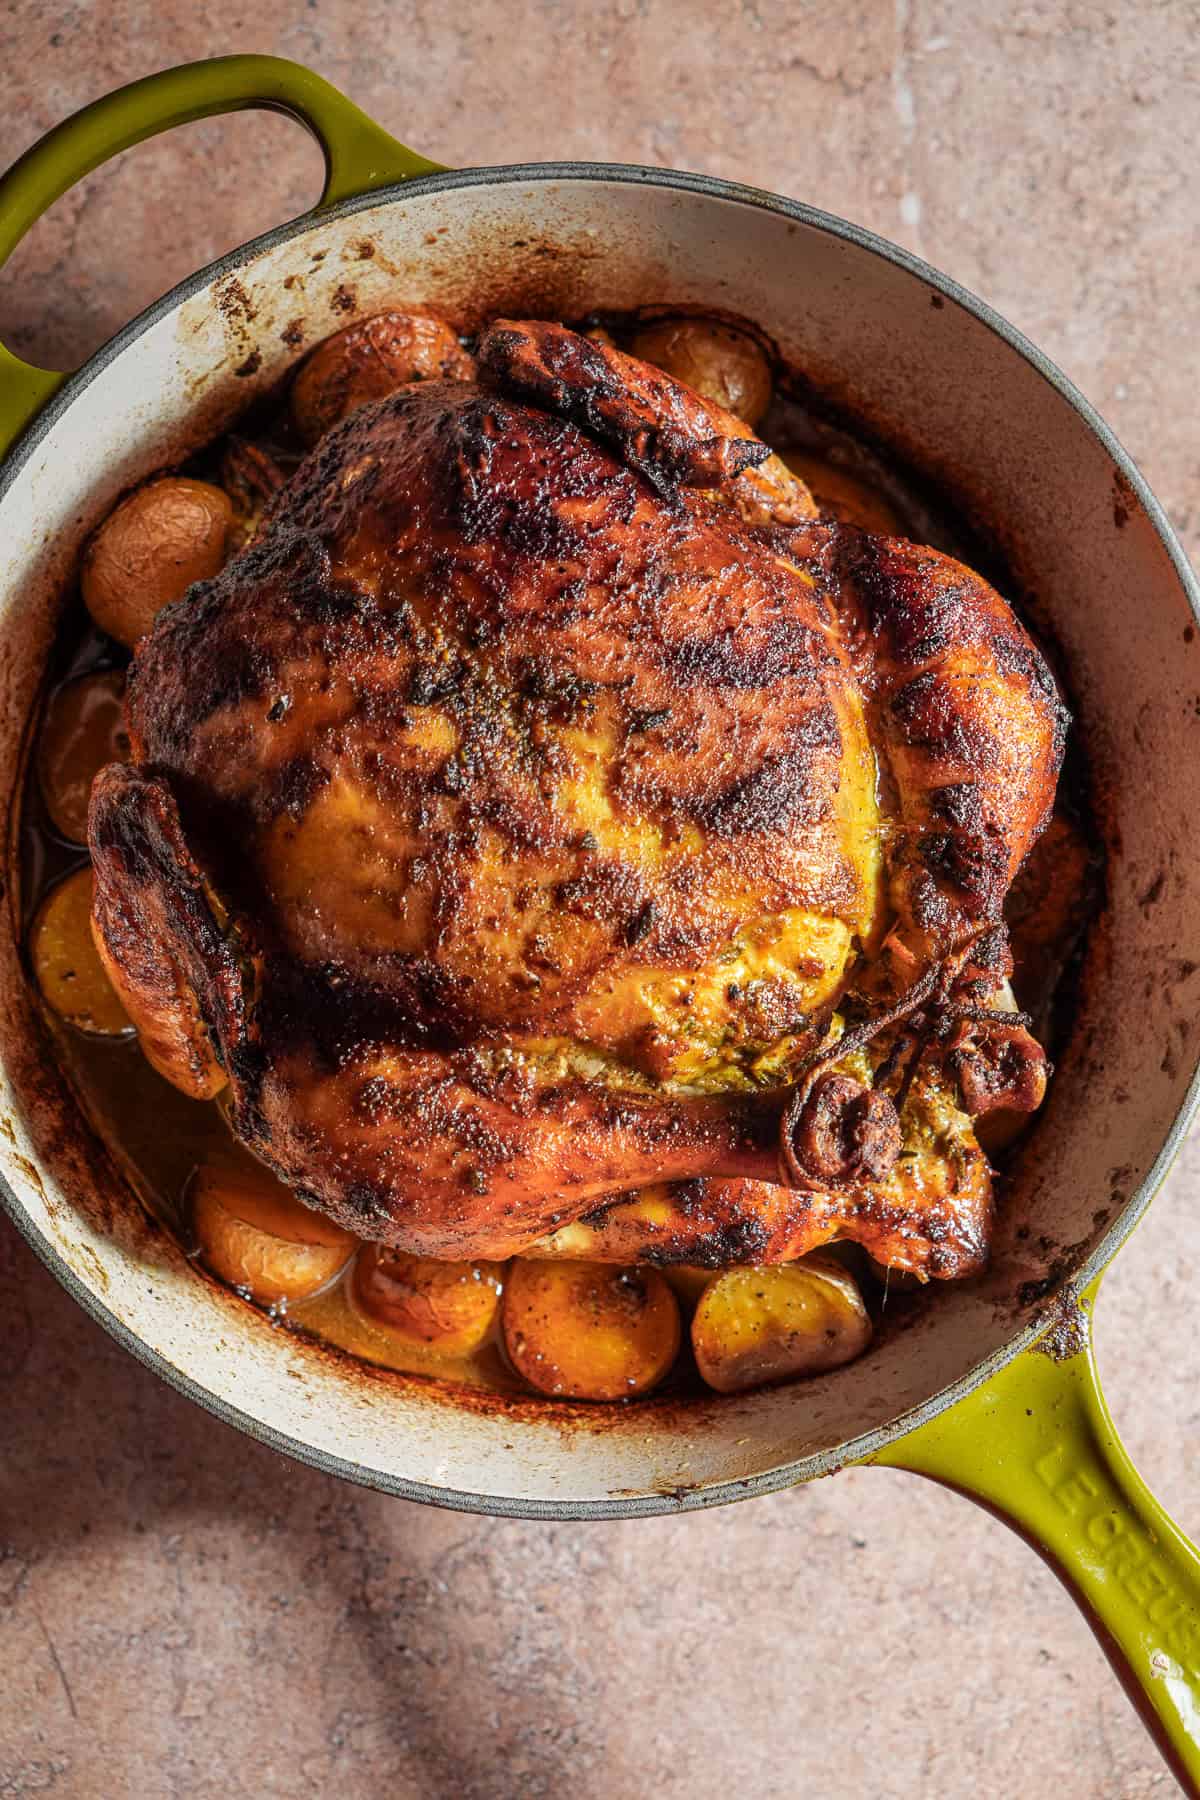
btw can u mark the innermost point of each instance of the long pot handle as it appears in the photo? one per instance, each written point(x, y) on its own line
point(359, 156)
point(1035, 1445)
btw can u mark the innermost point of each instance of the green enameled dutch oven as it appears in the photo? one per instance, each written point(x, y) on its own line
point(992, 1388)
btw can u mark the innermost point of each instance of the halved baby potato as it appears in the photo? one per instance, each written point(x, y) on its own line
point(843, 496)
point(84, 728)
point(433, 1305)
point(149, 551)
point(718, 361)
point(589, 1331)
point(255, 1234)
point(67, 965)
point(370, 359)
point(755, 1326)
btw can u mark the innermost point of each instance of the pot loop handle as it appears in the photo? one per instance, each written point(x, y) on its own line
point(359, 157)
point(1035, 1445)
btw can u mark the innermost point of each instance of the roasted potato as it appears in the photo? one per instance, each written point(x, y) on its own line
point(369, 359)
point(759, 1325)
point(843, 496)
point(718, 361)
point(258, 1237)
point(67, 964)
point(147, 553)
point(84, 728)
point(589, 1331)
point(446, 1306)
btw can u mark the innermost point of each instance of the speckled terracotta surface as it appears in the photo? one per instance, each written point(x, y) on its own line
point(183, 1613)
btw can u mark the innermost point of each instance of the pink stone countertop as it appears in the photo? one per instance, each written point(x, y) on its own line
point(183, 1613)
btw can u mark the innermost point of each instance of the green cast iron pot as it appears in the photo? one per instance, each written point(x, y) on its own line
point(993, 1389)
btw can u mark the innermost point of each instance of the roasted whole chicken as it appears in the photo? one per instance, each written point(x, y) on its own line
point(548, 833)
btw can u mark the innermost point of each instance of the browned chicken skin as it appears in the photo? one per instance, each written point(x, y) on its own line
point(509, 819)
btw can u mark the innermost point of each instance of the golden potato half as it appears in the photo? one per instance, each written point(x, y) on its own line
point(589, 1331)
point(754, 1326)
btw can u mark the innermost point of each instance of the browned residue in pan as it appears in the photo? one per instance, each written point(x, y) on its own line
point(1070, 1328)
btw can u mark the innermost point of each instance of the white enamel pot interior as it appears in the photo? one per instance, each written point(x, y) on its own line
point(977, 411)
